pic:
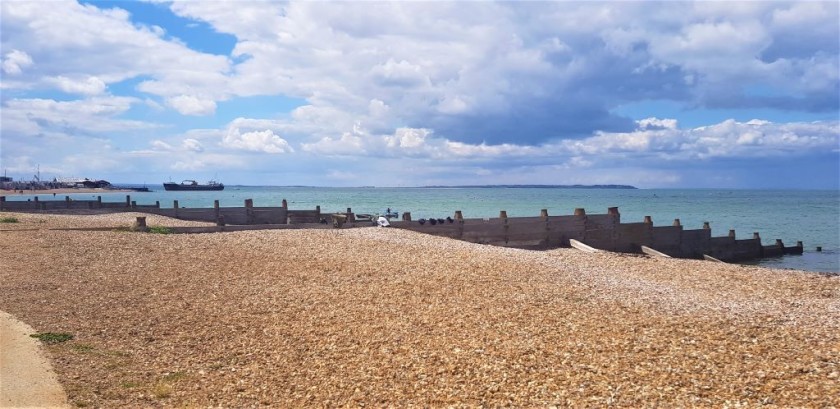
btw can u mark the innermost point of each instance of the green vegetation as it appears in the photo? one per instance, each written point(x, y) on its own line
point(9, 220)
point(160, 230)
point(162, 390)
point(53, 337)
point(82, 347)
point(174, 376)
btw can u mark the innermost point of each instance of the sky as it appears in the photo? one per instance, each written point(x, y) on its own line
point(414, 93)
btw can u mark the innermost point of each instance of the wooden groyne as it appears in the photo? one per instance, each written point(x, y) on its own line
point(598, 231)
point(603, 232)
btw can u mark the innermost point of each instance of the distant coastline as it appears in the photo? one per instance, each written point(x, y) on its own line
point(537, 186)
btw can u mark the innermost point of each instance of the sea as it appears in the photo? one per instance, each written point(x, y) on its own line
point(810, 216)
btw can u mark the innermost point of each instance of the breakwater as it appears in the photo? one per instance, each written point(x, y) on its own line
point(601, 231)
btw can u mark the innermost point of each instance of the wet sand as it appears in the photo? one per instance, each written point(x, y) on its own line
point(387, 317)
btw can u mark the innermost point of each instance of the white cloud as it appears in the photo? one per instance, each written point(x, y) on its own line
point(82, 48)
point(159, 145)
point(490, 85)
point(192, 105)
point(87, 86)
point(193, 145)
point(729, 139)
point(15, 61)
point(408, 138)
point(350, 144)
point(92, 115)
point(402, 73)
point(257, 141)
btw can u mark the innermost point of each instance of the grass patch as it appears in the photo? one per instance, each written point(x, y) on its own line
point(160, 230)
point(53, 337)
point(9, 220)
point(130, 384)
point(174, 376)
point(162, 390)
point(82, 347)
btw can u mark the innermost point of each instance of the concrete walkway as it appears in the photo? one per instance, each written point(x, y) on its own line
point(26, 377)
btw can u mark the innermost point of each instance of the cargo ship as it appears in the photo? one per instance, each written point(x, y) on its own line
point(193, 185)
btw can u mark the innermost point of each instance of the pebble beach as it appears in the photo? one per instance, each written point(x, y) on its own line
point(387, 317)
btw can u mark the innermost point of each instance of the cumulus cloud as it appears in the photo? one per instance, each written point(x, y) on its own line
point(92, 115)
point(256, 141)
point(66, 38)
point(492, 85)
point(192, 105)
point(480, 71)
point(408, 138)
point(86, 86)
point(15, 61)
point(159, 145)
point(193, 145)
point(728, 139)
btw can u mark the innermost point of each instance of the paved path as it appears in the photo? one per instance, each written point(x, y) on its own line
point(26, 377)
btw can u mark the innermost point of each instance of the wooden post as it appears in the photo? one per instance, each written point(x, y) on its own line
point(284, 204)
point(351, 218)
point(706, 226)
point(127, 200)
point(779, 244)
point(505, 226)
point(580, 211)
point(157, 204)
point(217, 212)
point(133, 204)
point(140, 224)
point(406, 216)
point(459, 218)
point(648, 220)
point(99, 202)
point(175, 206)
point(67, 201)
point(2, 202)
point(677, 223)
point(547, 232)
point(612, 211)
point(249, 211)
point(756, 236)
point(732, 233)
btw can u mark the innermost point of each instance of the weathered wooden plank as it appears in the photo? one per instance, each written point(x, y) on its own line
point(583, 247)
point(710, 258)
point(651, 252)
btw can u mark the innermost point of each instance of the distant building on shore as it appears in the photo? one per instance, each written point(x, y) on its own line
point(7, 183)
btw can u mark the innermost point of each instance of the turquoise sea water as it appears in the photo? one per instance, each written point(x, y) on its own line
point(810, 216)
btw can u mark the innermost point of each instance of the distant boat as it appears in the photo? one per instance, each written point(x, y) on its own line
point(193, 185)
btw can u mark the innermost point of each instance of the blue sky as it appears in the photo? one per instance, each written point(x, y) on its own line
point(671, 94)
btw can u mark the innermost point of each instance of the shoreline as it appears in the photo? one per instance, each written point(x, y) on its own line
point(33, 192)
